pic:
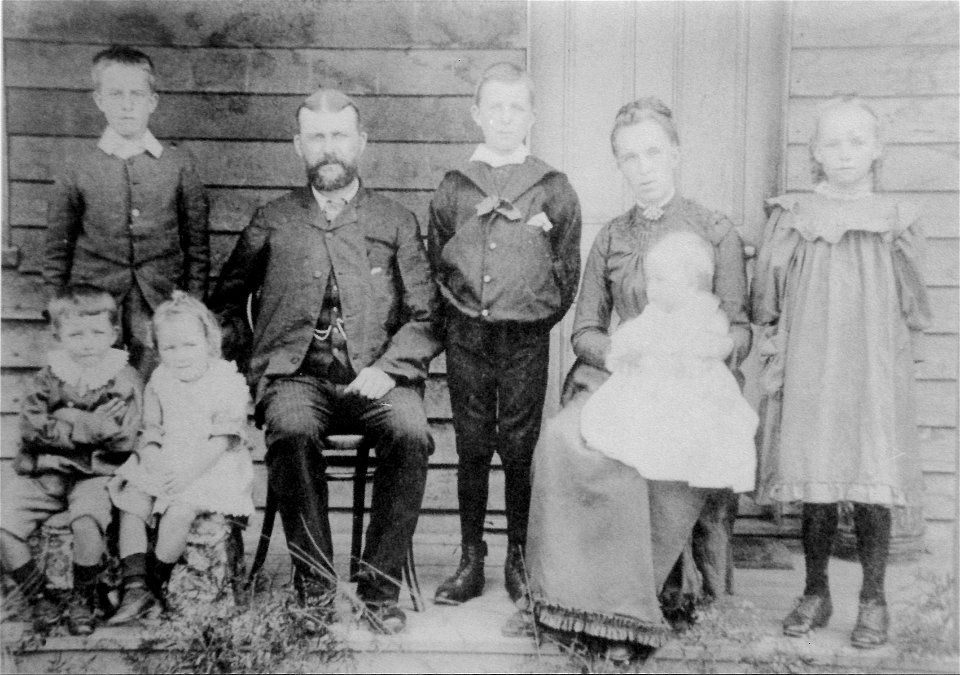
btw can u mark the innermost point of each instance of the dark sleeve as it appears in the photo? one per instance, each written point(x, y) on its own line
point(414, 345)
point(42, 432)
point(64, 222)
point(193, 215)
point(129, 386)
point(730, 285)
point(592, 319)
point(241, 275)
point(442, 224)
point(563, 210)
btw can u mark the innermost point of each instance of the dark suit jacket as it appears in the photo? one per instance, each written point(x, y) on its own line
point(387, 297)
point(147, 214)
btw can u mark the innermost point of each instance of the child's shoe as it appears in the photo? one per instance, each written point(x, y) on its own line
point(80, 616)
point(138, 603)
point(873, 621)
point(47, 610)
point(812, 611)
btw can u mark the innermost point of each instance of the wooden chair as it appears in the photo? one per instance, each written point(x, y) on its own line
point(348, 459)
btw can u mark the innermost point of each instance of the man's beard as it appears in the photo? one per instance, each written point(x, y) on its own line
point(323, 184)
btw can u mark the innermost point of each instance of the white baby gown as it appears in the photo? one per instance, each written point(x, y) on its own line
point(671, 408)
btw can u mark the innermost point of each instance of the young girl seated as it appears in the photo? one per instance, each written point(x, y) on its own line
point(671, 409)
point(192, 455)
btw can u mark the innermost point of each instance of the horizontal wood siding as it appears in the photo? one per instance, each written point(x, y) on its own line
point(230, 76)
point(902, 58)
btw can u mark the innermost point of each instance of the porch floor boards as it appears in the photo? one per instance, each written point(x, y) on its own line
point(468, 638)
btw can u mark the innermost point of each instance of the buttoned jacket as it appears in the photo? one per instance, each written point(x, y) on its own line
point(112, 221)
point(286, 255)
point(511, 254)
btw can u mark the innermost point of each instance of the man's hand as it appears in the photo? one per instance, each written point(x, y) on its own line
point(371, 383)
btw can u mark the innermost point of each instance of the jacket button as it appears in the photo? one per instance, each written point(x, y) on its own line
point(485, 312)
point(293, 359)
point(487, 278)
point(316, 275)
point(135, 213)
point(493, 245)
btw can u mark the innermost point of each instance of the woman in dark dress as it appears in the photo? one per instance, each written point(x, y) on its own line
point(602, 539)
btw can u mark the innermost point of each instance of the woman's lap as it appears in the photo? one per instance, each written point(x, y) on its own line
point(591, 550)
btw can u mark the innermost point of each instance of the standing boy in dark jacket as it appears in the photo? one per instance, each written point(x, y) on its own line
point(504, 243)
point(130, 215)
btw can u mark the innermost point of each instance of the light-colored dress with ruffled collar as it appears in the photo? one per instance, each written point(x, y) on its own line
point(839, 290)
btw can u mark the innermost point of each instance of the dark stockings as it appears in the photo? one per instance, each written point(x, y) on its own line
point(873, 525)
point(872, 522)
point(818, 530)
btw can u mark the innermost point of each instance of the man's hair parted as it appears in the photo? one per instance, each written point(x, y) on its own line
point(127, 56)
point(81, 300)
point(329, 100)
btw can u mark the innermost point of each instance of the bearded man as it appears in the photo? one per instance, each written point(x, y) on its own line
point(342, 339)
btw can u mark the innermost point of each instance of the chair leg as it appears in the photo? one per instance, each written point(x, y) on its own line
point(359, 498)
point(269, 515)
point(410, 576)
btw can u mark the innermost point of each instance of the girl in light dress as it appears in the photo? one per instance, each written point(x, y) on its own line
point(839, 292)
point(672, 409)
point(192, 457)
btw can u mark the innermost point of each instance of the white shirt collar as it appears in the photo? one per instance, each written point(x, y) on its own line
point(496, 160)
point(113, 143)
point(86, 379)
point(345, 193)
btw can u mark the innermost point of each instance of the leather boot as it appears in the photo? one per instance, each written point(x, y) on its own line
point(467, 582)
point(515, 576)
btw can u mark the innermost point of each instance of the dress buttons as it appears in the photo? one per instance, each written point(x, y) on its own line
point(316, 275)
point(293, 359)
point(485, 312)
point(328, 234)
point(135, 213)
point(493, 245)
point(487, 278)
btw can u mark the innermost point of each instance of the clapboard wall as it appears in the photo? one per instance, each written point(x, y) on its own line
point(902, 58)
point(230, 76)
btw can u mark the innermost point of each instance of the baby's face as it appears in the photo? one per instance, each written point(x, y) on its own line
point(668, 287)
point(125, 99)
point(504, 114)
point(183, 347)
point(86, 339)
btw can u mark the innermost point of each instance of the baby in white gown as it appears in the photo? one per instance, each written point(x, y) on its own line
point(671, 408)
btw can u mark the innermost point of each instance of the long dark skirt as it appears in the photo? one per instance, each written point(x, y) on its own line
point(602, 540)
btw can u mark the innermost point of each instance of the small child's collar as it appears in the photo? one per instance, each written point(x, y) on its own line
point(824, 189)
point(86, 379)
point(496, 160)
point(113, 143)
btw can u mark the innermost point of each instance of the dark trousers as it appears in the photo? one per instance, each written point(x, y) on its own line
point(298, 412)
point(136, 333)
point(497, 375)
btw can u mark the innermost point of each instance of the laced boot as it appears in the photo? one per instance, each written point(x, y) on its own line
point(515, 577)
point(467, 582)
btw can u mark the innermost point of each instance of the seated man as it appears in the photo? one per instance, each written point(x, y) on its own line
point(342, 341)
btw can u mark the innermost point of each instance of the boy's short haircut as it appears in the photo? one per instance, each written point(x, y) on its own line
point(127, 56)
point(503, 72)
point(689, 252)
point(331, 101)
point(81, 300)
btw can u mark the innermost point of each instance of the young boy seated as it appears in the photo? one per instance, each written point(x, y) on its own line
point(79, 422)
point(129, 215)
